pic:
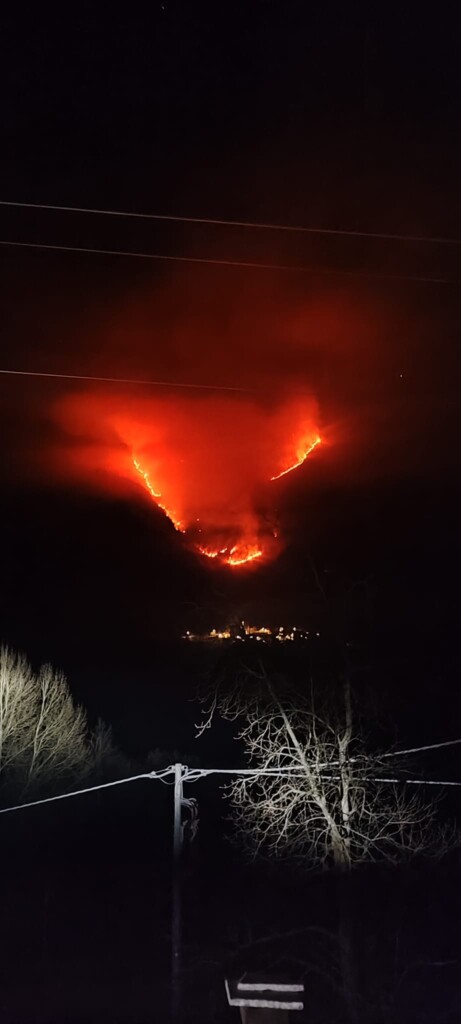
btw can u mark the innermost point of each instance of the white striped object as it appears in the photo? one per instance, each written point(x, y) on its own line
point(264, 994)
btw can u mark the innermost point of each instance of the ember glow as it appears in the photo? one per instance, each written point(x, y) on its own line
point(207, 464)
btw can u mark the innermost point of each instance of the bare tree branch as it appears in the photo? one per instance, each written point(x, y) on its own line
point(334, 809)
point(44, 736)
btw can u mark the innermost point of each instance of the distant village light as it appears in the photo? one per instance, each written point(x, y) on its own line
point(264, 633)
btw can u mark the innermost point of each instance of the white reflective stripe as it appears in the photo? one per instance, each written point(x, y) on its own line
point(274, 1004)
point(268, 1004)
point(267, 986)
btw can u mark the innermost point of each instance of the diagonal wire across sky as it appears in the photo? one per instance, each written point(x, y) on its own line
point(252, 225)
point(195, 774)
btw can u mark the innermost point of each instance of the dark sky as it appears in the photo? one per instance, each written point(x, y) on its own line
point(288, 110)
point(283, 112)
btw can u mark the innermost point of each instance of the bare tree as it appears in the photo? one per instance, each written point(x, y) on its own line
point(315, 793)
point(44, 736)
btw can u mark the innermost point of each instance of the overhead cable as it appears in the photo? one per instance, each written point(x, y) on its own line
point(88, 789)
point(120, 380)
point(246, 264)
point(253, 225)
point(416, 750)
point(194, 775)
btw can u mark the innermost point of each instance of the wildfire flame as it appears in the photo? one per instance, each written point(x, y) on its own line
point(242, 553)
point(155, 495)
point(239, 554)
point(302, 454)
point(211, 552)
point(146, 478)
point(206, 464)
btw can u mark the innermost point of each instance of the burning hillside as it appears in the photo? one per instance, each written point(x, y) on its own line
point(210, 465)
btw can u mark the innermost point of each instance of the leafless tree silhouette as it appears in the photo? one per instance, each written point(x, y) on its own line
point(44, 736)
point(315, 794)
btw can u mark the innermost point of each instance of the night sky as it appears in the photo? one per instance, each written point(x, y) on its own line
point(269, 112)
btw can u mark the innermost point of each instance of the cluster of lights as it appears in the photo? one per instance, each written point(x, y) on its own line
point(245, 633)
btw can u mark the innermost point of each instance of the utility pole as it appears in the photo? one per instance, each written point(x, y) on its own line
point(176, 896)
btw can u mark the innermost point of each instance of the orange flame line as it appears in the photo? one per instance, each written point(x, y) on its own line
point(300, 461)
point(208, 554)
point(155, 495)
point(145, 476)
point(231, 559)
point(246, 558)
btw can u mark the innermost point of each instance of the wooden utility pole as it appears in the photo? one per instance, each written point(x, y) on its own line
point(176, 896)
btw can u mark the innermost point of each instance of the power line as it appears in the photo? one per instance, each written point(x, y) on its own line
point(246, 264)
point(253, 225)
point(88, 789)
point(421, 782)
point(195, 774)
point(121, 380)
point(416, 750)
